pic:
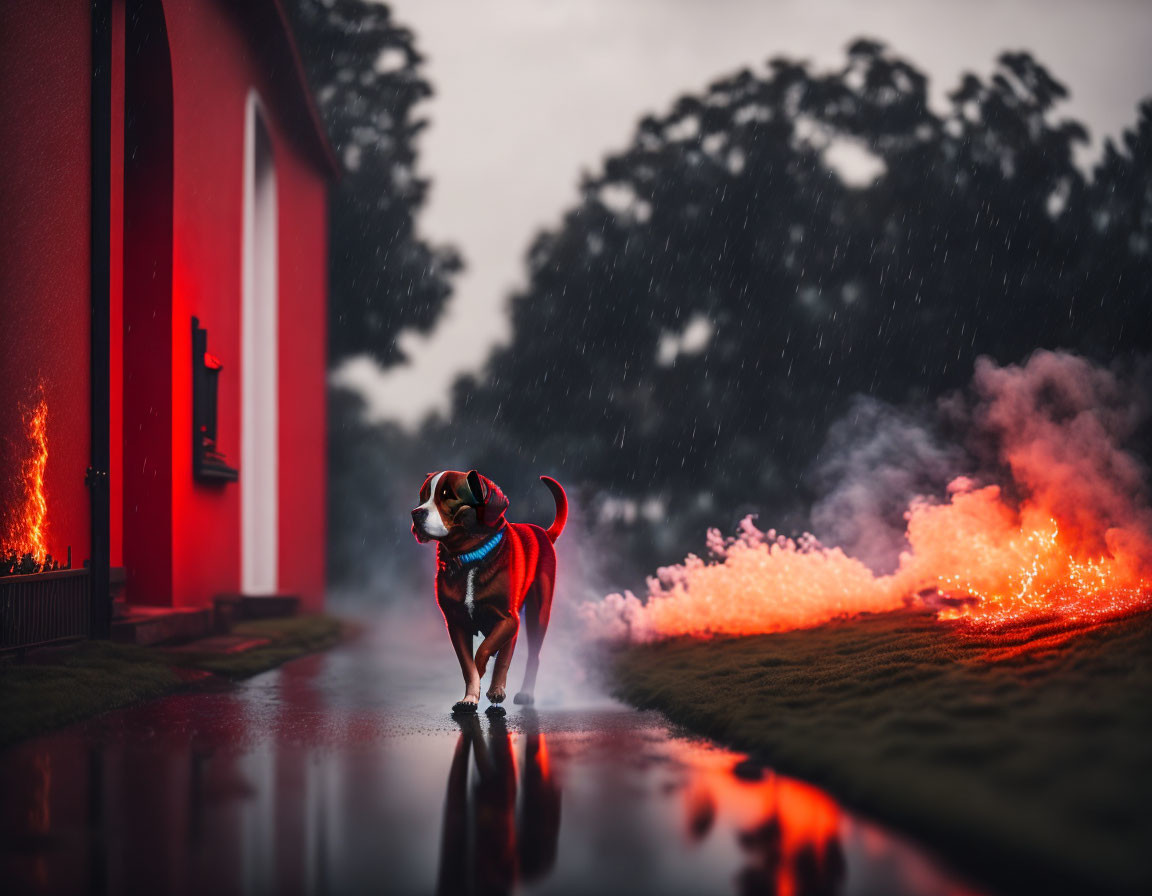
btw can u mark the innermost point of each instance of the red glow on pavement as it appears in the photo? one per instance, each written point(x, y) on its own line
point(794, 838)
point(809, 825)
point(543, 765)
point(790, 831)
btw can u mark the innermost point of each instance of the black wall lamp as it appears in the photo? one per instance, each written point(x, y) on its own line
point(208, 463)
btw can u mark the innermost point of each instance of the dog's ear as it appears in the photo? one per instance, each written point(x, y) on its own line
point(490, 501)
point(426, 488)
point(472, 491)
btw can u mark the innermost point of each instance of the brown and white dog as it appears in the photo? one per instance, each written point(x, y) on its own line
point(489, 573)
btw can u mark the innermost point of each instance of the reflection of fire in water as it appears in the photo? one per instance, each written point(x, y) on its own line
point(1072, 543)
point(27, 527)
point(789, 830)
point(796, 849)
point(795, 839)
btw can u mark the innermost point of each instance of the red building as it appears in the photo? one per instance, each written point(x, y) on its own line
point(163, 286)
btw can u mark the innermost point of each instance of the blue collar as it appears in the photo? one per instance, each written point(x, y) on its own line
point(478, 554)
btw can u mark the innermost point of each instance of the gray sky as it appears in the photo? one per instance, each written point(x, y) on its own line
point(530, 93)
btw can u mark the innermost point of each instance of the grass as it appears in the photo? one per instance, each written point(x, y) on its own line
point(1026, 756)
point(54, 688)
point(288, 639)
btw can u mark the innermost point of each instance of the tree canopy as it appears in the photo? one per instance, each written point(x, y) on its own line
point(759, 260)
point(785, 240)
point(367, 76)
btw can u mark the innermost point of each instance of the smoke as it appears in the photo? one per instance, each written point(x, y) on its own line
point(1035, 510)
point(397, 594)
point(876, 461)
point(569, 666)
point(1061, 423)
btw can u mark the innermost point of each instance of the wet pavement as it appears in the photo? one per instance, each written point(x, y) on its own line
point(343, 773)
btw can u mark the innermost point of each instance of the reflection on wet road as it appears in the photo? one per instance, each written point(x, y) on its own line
point(341, 773)
point(486, 845)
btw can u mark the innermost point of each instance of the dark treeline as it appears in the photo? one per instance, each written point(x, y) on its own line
point(367, 77)
point(727, 284)
point(719, 293)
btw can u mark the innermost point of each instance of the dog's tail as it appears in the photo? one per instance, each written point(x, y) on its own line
point(561, 499)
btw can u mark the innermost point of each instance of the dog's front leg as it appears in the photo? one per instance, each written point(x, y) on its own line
point(504, 631)
point(462, 644)
point(496, 687)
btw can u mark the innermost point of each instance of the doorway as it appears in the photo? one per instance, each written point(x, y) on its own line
point(259, 336)
point(147, 353)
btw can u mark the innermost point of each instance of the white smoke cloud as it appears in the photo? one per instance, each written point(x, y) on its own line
point(876, 461)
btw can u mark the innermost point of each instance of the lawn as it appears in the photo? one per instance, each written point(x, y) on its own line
point(1026, 755)
point(53, 688)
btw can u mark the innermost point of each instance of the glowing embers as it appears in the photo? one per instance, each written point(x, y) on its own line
point(1069, 537)
point(987, 562)
point(1023, 570)
point(25, 548)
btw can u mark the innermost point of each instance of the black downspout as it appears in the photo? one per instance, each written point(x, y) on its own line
point(100, 275)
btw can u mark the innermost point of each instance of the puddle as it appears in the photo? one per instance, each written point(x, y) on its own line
point(311, 779)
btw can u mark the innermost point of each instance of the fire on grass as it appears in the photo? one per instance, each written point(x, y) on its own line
point(1072, 546)
point(24, 549)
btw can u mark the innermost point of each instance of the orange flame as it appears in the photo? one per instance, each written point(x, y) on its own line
point(1025, 568)
point(1002, 567)
point(1076, 546)
point(27, 533)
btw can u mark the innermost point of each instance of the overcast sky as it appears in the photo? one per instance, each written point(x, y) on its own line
point(530, 93)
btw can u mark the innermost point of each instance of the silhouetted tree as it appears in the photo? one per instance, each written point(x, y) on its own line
point(1115, 308)
point(729, 281)
point(755, 258)
point(368, 80)
point(366, 73)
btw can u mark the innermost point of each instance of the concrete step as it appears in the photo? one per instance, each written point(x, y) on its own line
point(162, 625)
point(231, 608)
point(220, 644)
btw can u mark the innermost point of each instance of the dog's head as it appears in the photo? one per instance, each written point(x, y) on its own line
point(451, 500)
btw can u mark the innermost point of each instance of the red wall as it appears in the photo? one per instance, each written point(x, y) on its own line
point(213, 68)
point(146, 303)
point(191, 552)
point(116, 298)
point(303, 472)
point(45, 101)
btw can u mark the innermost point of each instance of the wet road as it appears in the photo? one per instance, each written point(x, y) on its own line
point(341, 773)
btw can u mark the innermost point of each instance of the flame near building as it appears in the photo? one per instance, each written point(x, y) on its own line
point(26, 529)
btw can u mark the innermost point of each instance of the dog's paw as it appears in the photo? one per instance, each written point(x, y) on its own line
point(524, 699)
point(496, 711)
point(496, 694)
point(463, 706)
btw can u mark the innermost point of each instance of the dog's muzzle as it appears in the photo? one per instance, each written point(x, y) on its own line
point(419, 515)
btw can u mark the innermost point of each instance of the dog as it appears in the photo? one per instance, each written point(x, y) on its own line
point(489, 574)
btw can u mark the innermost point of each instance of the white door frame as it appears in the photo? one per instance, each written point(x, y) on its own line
point(259, 417)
